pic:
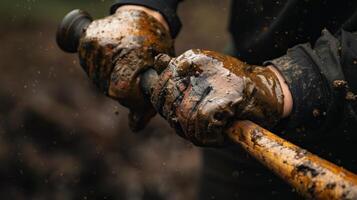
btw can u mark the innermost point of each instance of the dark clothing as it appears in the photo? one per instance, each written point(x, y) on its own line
point(167, 8)
point(264, 30)
point(322, 78)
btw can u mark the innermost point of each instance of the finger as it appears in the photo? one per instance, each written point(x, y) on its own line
point(86, 54)
point(169, 68)
point(162, 61)
point(182, 66)
point(171, 96)
point(212, 117)
point(157, 95)
point(102, 64)
point(187, 109)
point(95, 61)
point(124, 78)
point(215, 110)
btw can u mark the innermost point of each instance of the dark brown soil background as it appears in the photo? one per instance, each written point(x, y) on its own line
point(61, 139)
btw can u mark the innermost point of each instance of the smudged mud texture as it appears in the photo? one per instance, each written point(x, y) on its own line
point(116, 49)
point(311, 176)
point(201, 92)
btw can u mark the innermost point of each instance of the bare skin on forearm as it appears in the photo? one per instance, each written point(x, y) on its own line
point(288, 99)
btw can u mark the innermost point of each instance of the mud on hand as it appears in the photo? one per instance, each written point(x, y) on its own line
point(201, 92)
point(116, 49)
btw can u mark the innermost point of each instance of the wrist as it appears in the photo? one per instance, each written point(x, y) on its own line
point(288, 99)
point(148, 11)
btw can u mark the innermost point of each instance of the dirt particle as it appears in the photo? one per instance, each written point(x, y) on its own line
point(316, 112)
point(350, 96)
point(330, 186)
point(306, 169)
point(256, 136)
point(300, 154)
point(338, 84)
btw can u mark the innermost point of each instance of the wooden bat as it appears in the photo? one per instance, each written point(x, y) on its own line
point(311, 176)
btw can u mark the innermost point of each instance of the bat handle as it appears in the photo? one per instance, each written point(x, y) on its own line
point(151, 76)
point(147, 82)
point(71, 30)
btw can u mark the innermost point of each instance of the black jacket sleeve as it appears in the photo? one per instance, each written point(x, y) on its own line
point(322, 80)
point(167, 8)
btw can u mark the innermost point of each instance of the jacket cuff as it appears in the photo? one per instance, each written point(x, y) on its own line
point(309, 90)
point(317, 84)
point(166, 7)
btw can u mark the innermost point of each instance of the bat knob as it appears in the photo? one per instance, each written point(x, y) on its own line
point(71, 29)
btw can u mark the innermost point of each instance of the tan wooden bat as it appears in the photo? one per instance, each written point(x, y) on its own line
point(311, 176)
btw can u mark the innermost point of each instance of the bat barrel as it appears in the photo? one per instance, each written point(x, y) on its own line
point(311, 176)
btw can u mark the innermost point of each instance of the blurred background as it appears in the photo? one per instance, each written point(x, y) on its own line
point(61, 139)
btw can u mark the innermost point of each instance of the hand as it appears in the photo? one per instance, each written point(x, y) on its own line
point(116, 49)
point(201, 92)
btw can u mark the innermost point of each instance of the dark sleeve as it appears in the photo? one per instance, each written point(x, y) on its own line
point(167, 8)
point(322, 80)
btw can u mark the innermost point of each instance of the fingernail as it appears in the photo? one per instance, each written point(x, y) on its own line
point(161, 62)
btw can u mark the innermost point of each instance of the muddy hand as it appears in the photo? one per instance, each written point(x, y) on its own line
point(116, 49)
point(201, 92)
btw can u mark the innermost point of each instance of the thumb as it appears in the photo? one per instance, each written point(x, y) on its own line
point(161, 62)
